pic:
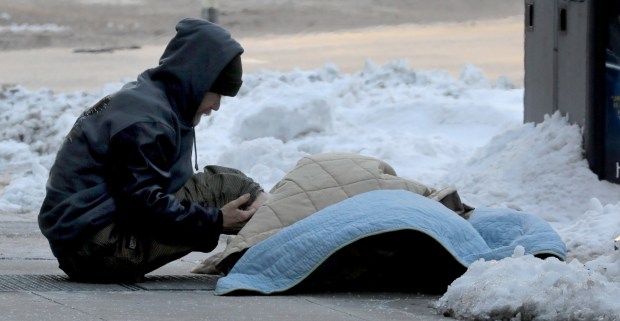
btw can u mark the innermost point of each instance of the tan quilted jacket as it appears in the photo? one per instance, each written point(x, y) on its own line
point(316, 182)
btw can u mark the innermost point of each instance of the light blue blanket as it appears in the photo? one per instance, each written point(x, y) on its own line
point(285, 259)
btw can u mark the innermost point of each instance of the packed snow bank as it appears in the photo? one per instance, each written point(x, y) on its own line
point(465, 132)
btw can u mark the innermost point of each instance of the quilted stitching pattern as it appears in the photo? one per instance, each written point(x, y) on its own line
point(316, 182)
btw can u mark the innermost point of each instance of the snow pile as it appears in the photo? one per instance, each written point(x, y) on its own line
point(465, 132)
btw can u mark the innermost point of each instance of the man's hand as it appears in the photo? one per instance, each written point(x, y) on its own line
point(233, 217)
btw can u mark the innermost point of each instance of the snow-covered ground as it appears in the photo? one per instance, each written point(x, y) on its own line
point(24, 27)
point(465, 132)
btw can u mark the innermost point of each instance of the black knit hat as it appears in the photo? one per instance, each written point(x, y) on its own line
point(229, 80)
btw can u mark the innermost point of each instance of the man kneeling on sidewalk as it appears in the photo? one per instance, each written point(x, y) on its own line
point(122, 198)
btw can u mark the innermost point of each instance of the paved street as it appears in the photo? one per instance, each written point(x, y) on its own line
point(33, 288)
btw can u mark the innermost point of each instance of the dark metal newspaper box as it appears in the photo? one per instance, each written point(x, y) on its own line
point(572, 65)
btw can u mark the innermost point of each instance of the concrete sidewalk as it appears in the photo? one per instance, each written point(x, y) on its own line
point(33, 288)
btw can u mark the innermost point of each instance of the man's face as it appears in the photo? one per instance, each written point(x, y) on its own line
point(210, 102)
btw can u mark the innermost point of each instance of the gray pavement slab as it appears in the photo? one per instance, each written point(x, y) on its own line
point(203, 305)
point(36, 289)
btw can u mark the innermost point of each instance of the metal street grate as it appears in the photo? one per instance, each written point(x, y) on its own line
point(50, 283)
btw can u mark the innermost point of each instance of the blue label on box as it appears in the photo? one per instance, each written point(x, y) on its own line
point(612, 98)
point(612, 124)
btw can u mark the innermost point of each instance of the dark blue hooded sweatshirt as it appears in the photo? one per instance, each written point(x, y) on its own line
point(126, 156)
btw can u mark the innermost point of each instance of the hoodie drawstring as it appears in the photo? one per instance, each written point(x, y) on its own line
point(195, 150)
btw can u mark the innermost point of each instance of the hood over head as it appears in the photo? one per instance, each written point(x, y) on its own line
point(192, 62)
